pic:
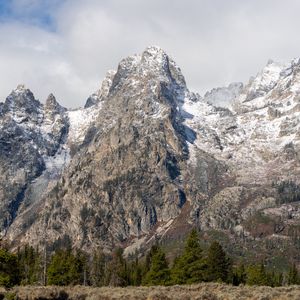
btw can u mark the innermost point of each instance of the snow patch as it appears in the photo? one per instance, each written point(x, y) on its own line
point(80, 121)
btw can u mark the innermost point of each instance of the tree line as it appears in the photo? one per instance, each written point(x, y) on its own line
point(193, 265)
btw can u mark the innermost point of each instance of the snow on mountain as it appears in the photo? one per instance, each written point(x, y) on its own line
point(224, 96)
point(263, 125)
point(80, 120)
point(154, 153)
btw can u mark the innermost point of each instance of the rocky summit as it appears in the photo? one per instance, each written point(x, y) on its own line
point(146, 160)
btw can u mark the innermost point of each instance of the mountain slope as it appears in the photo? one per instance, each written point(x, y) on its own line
point(146, 159)
point(129, 176)
point(30, 134)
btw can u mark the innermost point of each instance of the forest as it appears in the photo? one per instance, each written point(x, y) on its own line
point(64, 267)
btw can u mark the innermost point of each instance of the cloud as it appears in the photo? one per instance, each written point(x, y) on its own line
point(66, 47)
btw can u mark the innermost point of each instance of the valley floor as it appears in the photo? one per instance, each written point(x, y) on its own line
point(207, 291)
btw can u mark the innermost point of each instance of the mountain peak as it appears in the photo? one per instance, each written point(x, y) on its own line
point(154, 51)
point(52, 104)
point(21, 88)
point(21, 96)
point(51, 101)
point(154, 56)
point(157, 59)
point(153, 64)
point(22, 91)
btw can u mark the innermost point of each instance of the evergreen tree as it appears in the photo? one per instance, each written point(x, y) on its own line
point(81, 259)
point(239, 275)
point(279, 281)
point(274, 279)
point(97, 269)
point(159, 273)
point(136, 273)
point(117, 270)
point(154, 249)
point(218, 263)
point(256, 275)
point(30, 266)
point(9, 272)
point(293, 277)
point(65, 269)
point(190, 266)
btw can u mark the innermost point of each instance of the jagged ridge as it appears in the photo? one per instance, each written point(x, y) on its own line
point(146, 157)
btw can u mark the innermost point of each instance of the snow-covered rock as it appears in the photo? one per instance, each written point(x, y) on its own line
point(224, 96)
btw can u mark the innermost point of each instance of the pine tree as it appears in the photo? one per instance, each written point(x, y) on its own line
point(159, 273)
point(293, 277)
point(116, 271)
point(218, 263)
point(65, 269)
point(239, 275)
point(97, 269)
point(81, 261)
point(136, 273)
point(256, 275)
point(154, 249)
point(30, 265)
point(9, 272)
point(274, 279)
point(190, 266)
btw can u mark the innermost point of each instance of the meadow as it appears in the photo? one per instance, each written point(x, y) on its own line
point(203, 291)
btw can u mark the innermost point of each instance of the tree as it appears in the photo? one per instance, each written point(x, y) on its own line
point(239, 275)
point(29, 261)
point(256, 275)
point(190, 266)
point(293, 277)
point(136, 273)
point(9, 272)
point(218, 263)
point(148, 259)
point(274, 278)
point(159, 273)
point(117, 270)
point(65, 269)
point(97, 269)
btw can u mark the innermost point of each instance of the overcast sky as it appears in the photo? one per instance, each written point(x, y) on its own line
point(66, 46)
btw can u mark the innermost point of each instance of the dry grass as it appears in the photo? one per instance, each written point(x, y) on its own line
point(205, 291)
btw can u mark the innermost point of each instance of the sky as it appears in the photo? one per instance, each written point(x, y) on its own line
point(65, 47)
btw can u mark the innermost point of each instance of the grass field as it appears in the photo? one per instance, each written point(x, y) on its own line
point(205, 291)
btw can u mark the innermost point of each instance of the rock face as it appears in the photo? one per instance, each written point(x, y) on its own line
point(147, 159)
point(129, 174)
point(30, 134)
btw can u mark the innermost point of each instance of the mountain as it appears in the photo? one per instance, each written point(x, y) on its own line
point(31, 133)
point(146, 160)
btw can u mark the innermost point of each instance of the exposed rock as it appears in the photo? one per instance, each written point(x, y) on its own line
point(29, 134)
point(146, 157)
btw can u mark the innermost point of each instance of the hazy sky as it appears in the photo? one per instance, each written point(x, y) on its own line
point(66, 46)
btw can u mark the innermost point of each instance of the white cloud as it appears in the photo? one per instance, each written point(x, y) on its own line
point(213, 41)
